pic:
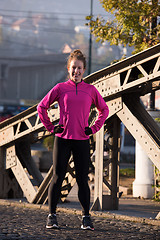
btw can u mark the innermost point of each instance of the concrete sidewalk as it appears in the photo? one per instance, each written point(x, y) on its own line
point(129, 207)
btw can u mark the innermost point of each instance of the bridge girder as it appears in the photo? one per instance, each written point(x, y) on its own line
point(121, 85)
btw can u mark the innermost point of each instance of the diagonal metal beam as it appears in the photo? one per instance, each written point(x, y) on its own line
point(24, 181)
point(140, 133)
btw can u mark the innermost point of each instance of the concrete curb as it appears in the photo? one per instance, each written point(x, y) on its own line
point(102, 214)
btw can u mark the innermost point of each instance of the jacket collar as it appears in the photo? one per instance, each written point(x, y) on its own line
point(73, 83)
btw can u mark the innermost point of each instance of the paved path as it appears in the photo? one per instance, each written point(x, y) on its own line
point(128, 205)
point(20, 221)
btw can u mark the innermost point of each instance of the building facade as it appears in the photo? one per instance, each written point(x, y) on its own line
point(30, 79)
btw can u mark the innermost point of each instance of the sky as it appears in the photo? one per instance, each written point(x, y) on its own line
point(66, 6)
point(65, 9)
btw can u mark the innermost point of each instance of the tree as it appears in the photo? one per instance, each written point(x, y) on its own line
point(135, 23)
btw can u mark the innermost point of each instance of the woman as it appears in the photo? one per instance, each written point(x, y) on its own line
point(75, 98)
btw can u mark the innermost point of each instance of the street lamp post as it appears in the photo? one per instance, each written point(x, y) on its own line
point(90, 42)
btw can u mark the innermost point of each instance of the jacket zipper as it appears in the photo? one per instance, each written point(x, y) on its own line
point(76, 88)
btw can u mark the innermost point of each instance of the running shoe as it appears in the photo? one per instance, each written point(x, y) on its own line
point(52, 221)
point(87, 223)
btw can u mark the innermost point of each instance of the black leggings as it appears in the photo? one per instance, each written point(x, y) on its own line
point(81, 155)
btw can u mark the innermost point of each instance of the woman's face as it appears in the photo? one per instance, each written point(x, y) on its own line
point(76, 70)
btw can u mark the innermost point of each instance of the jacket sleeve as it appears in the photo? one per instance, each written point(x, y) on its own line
point(44, 105)
point(102, 108)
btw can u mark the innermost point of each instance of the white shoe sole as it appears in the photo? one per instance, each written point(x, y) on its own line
point(53, 226)
point(87, 228)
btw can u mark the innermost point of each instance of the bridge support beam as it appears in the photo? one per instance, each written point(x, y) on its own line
point(109, 200)
point(9, 187)
point(98, 183)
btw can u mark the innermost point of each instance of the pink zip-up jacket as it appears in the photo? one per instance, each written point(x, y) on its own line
point(75, 101)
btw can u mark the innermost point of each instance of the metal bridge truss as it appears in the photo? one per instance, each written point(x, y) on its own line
point(121, 86)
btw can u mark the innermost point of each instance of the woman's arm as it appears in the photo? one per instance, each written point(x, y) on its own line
point(44, 105)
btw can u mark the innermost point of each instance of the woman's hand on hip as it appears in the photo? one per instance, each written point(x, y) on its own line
point(58, 129)
point(88, 131)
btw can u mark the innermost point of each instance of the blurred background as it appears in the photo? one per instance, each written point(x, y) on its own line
point(35, 40)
